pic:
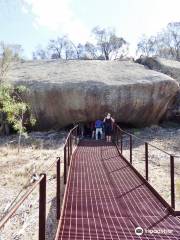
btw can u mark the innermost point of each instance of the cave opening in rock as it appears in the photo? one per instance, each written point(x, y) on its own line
point(124, 125)
point(85, 129)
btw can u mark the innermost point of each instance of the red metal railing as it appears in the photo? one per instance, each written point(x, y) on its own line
point(42, 200)
point(68, 147)
point(119, 134)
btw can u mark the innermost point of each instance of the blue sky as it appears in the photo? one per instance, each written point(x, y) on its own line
point(34, 22)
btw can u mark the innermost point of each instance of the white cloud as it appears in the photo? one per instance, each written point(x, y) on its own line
point(148, 17)
point(24, 9)
point(57, 16)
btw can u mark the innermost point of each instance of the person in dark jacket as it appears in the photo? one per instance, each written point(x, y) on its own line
point(108, 125)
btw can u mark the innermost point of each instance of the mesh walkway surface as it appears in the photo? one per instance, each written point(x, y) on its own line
point(105, 199)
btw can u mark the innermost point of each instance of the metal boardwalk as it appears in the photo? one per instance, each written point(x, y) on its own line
point(105, 199)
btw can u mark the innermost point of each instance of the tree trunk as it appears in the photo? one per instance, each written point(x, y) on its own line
point(20, 133)
point(7, 130)
point(4, 128)
point(19, 139)
point(106, 55)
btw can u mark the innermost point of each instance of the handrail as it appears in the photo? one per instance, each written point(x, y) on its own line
point(146, 151)
point(52, 165)
point(176, 156)
point(71, 130)
point(31, 189)
point(68, 150)
point(150, 144)
point(18, 204)
point(42, 188)
point(41, 182)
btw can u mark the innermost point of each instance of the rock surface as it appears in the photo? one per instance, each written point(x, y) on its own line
point(66, 92)
point(172, 69)
point(166, 66)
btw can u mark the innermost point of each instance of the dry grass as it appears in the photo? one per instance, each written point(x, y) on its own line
point(178, 188)
point(35, 156)
point(37, 153)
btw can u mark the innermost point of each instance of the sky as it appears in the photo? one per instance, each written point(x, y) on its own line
point(33, 22)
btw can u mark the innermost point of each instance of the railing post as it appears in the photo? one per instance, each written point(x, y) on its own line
point(65, 165)
point(114, 133)
point(76, 135)
point(130, 143)
point(42, 208)
point(70, 144)
point(117, 136)
point(68, 151)
point(146, 160)
point(121, 142)
point(58, 188)
point(172, 182)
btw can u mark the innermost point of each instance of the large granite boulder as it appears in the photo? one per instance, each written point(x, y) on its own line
point(66, 92)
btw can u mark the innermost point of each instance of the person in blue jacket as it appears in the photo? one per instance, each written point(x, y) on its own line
point(99, 127)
